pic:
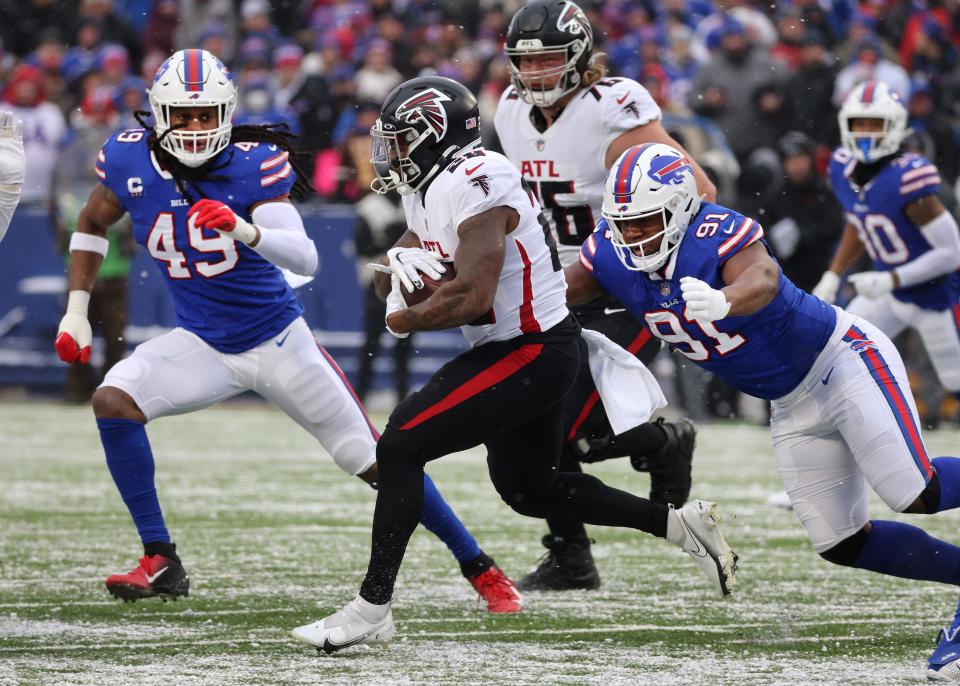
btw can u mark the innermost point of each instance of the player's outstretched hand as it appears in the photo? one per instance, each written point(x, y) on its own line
point(827, 287)
point(74, 338)
point(395, 303)
point(13, 162)
point(407, 263)
point(872, 284)
point(703, 302)
point(213, 214)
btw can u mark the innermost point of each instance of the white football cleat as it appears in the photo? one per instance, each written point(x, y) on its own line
point(346, 628)
point(706, 545)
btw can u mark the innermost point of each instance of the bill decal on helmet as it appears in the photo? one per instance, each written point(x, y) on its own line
point(425, 106)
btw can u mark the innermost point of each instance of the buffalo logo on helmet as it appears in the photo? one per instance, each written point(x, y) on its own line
point(572, 20)
point(162, 70)
point(669, 169)
point(425, 106)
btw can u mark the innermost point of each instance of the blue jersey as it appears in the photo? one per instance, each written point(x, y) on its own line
point(223, 291)
point(765, 354)
point(877, 211)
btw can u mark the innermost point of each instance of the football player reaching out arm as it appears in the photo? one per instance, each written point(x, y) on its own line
point(751, 276)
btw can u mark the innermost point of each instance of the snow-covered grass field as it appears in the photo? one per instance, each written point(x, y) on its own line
point(273, 535)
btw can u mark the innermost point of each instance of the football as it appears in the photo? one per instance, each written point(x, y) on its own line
point(429, 286)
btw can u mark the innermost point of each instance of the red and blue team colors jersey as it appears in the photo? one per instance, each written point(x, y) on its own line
point(877, 211)
point(223, 291)
point(766, 354)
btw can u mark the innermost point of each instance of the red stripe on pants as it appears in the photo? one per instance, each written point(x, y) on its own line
point(528, 323)
point(490, 376)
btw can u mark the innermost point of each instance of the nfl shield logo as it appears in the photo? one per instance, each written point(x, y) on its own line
point(540, 144)
point(665, 288)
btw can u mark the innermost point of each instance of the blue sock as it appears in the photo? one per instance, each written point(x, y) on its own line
point(948, 472)
point(440, 520)
point(909, 552)
point(130, 462)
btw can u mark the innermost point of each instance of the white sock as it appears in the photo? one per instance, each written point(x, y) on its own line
point(370, 612)
point(676, 533)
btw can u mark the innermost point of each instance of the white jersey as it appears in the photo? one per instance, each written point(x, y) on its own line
point(564, 165)
point(531, 295)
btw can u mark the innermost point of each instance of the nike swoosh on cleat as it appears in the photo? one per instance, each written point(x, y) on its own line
point(329, 647)
point(825, 379)
point(470, 171)
point(151, 579)
point(282, 340)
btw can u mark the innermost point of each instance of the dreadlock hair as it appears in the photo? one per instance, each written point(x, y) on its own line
point(188, 177)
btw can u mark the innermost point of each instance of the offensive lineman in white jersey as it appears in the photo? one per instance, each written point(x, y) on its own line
point(562, 123)
point(508, 297)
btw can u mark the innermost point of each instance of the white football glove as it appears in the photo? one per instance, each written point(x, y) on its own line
point(395, 303)
point(827, 287)
point(407, 263)
point(872, 284)
point(74, 336)
point(13, 162)
point(703, 302)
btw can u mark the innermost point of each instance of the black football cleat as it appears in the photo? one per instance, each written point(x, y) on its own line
point(565, 567)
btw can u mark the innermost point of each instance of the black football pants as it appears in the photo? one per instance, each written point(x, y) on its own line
point(507, 396)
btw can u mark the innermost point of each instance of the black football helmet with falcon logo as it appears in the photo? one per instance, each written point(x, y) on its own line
point(424, 123)
point(543, 27)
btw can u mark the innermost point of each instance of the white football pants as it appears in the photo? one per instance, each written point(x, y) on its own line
point(178, 372)
point(852, 422)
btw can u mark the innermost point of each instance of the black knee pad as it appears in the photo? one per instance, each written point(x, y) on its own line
point(930, 496)
point(846, 551)
point(396, 451)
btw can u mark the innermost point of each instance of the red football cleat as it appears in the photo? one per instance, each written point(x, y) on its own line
point(156, 575)
point(498, 590)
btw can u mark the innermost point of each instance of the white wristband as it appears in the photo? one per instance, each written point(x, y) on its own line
point(243, 231)
point(78, 302)
point(87, 242)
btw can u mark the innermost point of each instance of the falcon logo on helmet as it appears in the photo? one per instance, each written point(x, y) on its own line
point(556, 33)
point(423, 124)
point(426, 107)
point(573, 20)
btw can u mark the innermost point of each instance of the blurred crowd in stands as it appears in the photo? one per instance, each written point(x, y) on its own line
point(752, 89)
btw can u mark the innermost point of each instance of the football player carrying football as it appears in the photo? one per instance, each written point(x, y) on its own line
point(209, 202)
point(701, 277)
point(562, 123)
point(472, 205)
point(894, 213)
